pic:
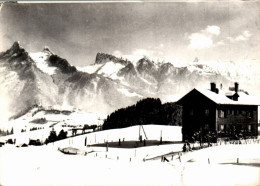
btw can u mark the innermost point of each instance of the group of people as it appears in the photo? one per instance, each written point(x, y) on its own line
point(199, 137)
point(186, 147)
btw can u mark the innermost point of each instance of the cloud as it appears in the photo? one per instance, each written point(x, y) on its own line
point(220, 43)
point(151, 52)
point(161, 45)
point(117, 53)
point(140, 52)
point(240, 38)
point(247, 34)
point(204, 38)
point(213, 30)
point(244, 36)
point(199, 41)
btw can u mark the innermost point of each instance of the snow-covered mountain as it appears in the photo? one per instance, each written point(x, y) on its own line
point(44, 78)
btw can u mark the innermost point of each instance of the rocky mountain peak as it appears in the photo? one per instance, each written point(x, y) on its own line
point(196, 60)
point(145, 64)
point(102, 58)
point(62, 64)
point(128, 70)
point(16, 46)
point(16, 53)
point(47, 50)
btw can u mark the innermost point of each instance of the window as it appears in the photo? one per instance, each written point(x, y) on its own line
point(206, 112)
point(220, 113)
point(248, 114)
point(249, 128)
point(228, 112)
point(225, 113)
point(206, 127)
point(221, 127)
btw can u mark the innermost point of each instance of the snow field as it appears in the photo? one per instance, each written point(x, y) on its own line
point(153, 132)
point(40, 58)
point(44, 165)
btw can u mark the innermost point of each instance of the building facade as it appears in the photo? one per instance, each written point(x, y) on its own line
point(226, 114)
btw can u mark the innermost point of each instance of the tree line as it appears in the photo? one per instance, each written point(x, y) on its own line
point(146, 111)
point(7, 132)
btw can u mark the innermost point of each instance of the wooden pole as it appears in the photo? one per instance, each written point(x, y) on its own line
point(161, 138)
point(86, 140)
point(144, 132)
point(139, 137)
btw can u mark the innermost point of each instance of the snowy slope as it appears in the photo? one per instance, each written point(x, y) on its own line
point(41, 61)
point(153, 132)
point(54, 119)
point(90, 68)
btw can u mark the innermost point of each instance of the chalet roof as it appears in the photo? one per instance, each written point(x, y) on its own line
point(221, 98)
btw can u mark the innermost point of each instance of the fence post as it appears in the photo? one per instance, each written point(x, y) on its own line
point(237, 160)
point(208, 161)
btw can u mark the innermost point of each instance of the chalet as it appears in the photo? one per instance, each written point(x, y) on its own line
point(225, 113)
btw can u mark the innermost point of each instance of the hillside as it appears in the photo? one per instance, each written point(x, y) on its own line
point(149, 110)
point(39, 121)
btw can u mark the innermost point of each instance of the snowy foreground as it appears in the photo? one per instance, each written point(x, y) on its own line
point(46, 165)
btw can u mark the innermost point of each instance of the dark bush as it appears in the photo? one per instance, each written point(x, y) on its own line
point(62, 135)
point(52, 137)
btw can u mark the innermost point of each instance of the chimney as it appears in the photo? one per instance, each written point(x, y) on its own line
point(213, 87)
point(236, 87)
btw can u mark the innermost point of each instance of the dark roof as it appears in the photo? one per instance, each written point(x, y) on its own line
point(221, 98)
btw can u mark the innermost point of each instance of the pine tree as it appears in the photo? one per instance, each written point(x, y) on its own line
point(62, 135)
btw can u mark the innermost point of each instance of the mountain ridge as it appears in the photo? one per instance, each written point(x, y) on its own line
point(110, 83)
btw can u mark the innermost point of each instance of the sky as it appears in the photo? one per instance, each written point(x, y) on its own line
point(211, 31)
